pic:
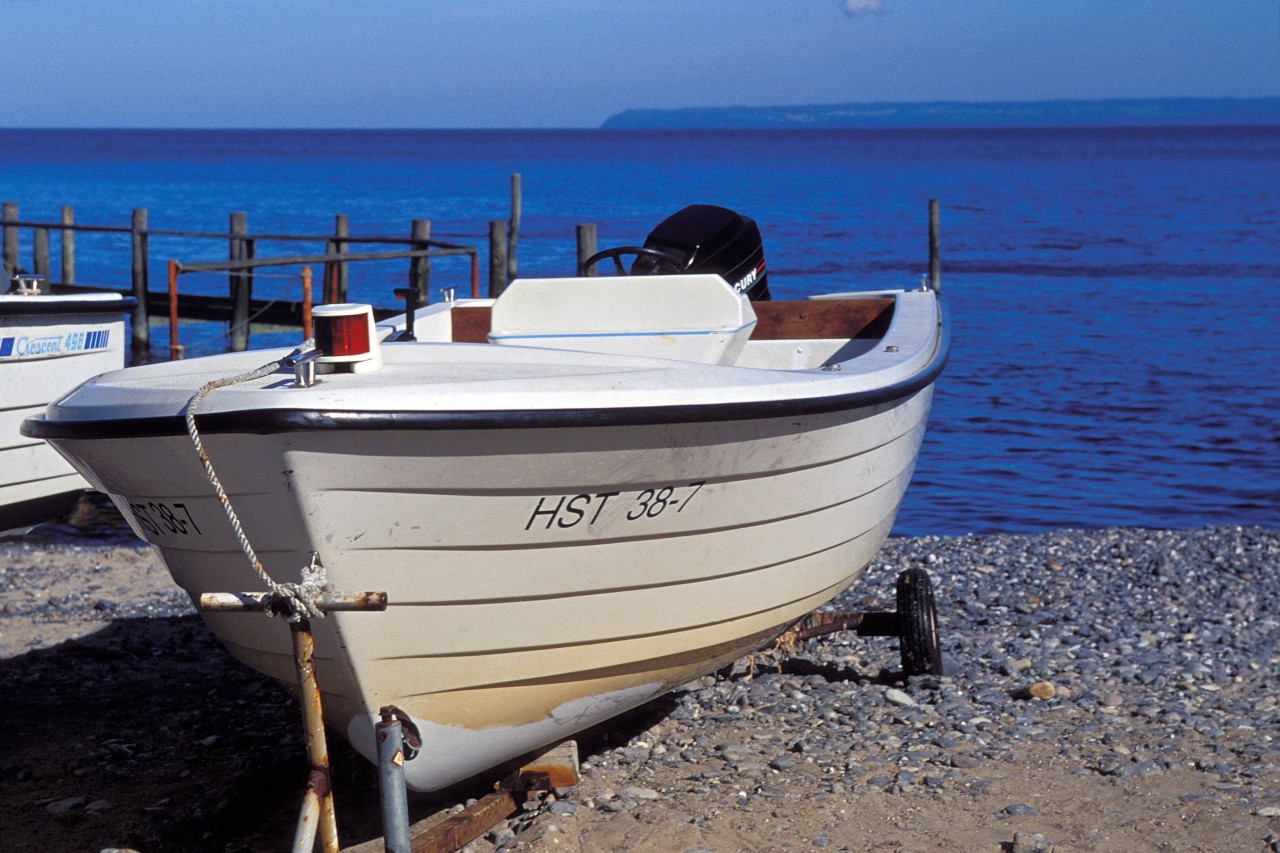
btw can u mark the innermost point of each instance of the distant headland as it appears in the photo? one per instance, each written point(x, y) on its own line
point(1120, 112)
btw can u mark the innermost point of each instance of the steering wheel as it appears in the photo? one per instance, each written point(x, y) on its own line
point(617, 254)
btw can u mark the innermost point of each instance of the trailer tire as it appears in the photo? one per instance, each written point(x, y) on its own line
point(918, 624)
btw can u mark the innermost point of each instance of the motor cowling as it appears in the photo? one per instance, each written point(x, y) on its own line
point(704, 238)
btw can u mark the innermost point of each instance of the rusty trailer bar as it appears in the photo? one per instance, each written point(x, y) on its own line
point(865, 623)
point(316, 817)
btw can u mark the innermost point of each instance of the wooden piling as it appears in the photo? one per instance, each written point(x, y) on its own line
point(175, 348)
point(68, 245)
point(935, 265)
point(497, 258)
point(329, 277)
point(40, 253)
point(341, 229)
point(141, 329)
point(514, 233)
point(586, 247)
point(420, 268)
point(10, 214)
point(239, 282)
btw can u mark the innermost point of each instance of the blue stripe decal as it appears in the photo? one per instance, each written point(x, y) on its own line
point(6, 347)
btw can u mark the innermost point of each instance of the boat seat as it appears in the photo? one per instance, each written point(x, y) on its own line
point(698, 318)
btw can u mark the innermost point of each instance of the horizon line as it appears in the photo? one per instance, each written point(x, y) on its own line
point(1172, 122)
point(599, 129)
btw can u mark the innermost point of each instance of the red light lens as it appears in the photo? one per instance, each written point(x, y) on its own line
point(347, 335)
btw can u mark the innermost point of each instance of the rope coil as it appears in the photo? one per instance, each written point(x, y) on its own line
point(296, 601)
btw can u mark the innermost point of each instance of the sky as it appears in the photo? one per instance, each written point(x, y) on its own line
point(564, 64)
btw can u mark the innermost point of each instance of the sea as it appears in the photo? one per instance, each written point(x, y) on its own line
point(1114, 293)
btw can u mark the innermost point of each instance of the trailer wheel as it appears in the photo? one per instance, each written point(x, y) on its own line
point(918, 624)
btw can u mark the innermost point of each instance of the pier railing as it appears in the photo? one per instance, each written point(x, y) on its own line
point(239, 306)
point(242, 309)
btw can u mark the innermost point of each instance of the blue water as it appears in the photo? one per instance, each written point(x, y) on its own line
point(1114, 294)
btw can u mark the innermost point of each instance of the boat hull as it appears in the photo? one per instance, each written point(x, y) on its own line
point(541, 580)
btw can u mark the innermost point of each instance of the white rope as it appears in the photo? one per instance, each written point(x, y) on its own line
point(299, 599)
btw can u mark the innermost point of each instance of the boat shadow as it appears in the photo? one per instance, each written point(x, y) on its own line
point(626, 727)
point(194, 751)
point(152, 736)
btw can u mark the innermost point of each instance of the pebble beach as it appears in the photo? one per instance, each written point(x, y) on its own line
point(1113, 689)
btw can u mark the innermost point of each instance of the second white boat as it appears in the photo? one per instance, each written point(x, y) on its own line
point(49, 343)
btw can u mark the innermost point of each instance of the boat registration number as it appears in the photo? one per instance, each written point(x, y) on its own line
point(165, 519)
point(566, 511)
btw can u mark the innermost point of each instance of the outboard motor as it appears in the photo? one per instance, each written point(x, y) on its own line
point(701, 238)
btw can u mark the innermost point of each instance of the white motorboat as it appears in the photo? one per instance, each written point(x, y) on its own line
point(576, 496)
point(49, 343)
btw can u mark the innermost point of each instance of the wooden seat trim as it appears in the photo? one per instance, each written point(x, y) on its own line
point(814, 319)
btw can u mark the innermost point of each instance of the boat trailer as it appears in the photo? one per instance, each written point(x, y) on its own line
point(914, 623)
point(398, 741)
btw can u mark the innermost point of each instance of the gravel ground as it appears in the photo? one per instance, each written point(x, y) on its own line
point(1106, 690)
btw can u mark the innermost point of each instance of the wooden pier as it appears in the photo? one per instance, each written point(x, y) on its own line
point(335, 252)
point(245, 255)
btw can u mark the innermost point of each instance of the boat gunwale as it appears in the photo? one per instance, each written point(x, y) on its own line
point(58, 304)
point(274, 420)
